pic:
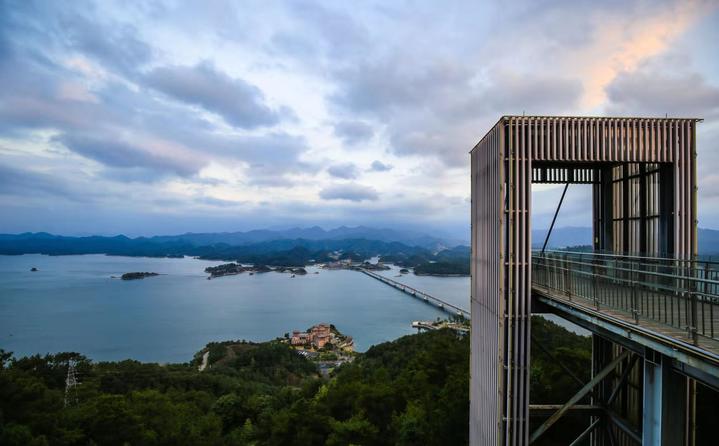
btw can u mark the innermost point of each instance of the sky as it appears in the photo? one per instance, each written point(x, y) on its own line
point(164, 117)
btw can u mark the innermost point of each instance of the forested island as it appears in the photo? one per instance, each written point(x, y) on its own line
point(231, 269)
point(449, 269)
point(137, 275)
point(410, 391)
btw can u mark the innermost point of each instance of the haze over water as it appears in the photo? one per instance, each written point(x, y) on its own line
point(72, 304)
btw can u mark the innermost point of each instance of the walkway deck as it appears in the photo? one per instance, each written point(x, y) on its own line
point(660, 297)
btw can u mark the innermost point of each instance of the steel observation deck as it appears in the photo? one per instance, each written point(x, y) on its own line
point(673, 301)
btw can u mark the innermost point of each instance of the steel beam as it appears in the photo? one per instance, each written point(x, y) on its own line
point(544, 410)
point(631, 336)
point(586, 432)
point(554, 219)
point(624, 426)
point(578, 396)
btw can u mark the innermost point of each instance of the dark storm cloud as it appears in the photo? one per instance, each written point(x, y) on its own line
point(347, 171)
point(240, 103)
point(379, 166)
point(349, 192)
point(353, 132)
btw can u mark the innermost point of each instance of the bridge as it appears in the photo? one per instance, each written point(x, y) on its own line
point(425, 297)
point(650, 303)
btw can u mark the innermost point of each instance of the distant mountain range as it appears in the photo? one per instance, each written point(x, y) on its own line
point(577, 236)
point(409, 238)
point(562, 237)
point(360, 239)
point(256, 247)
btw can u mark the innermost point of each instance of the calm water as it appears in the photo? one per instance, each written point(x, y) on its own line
point(454, 290)
point(72, 304)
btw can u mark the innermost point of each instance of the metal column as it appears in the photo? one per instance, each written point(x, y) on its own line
point(664, 402)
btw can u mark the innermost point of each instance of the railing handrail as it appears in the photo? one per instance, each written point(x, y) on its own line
point(635, 282)
point(683, 298)
point(637, 271)
point(691, 259)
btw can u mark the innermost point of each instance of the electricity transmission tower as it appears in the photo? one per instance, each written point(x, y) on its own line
point(71, 384)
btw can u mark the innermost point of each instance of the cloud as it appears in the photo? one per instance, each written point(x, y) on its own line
point(154, 153)
point(347, 171)
point(383, 85)
point(434, 107)
point(334, 31)
point(23, 182)
point(353, 132)
point(156, 102)
point(349, 192)
point(379, 166)
point(240, 103)
point(655, 93)
point(115, 46)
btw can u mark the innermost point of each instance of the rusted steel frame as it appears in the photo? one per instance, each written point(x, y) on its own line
point(578, 396)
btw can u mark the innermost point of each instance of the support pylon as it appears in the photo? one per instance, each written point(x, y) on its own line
point(71, 384)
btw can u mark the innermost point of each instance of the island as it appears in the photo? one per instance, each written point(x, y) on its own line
point(283, 269)
point(231, 269)
point(443, 269)
point(137, 275)
point(227, 269)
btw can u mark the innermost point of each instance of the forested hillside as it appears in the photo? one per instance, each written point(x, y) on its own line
point(407, 392)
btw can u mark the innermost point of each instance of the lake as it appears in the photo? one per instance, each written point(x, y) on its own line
point(72, 304)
